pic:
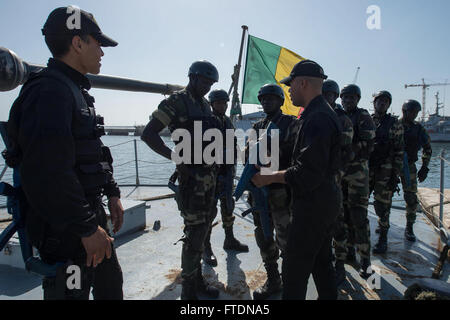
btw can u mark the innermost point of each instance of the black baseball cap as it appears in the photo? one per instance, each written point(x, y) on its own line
point(63, 21)
point(305, 68)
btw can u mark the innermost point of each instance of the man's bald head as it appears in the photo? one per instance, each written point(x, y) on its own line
point(304, 89)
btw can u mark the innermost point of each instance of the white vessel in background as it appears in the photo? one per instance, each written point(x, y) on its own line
point(437, 126)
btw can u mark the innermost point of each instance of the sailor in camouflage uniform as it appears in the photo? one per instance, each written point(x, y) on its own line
point(385, 164)
point(355, 183)
point(271, 97)
point(197, 180)
point(330, 91)
point(227, 171)
point(416, 138)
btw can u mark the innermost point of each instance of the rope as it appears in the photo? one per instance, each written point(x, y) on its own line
point(150, 162)
point(123, 178)
point(120, 144)
point(3, 171)
point(167, 196)
point(122, 164)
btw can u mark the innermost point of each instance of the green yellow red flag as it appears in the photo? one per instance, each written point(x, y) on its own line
point(268, 63)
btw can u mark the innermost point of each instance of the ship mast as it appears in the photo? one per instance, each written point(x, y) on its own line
point(438, 104)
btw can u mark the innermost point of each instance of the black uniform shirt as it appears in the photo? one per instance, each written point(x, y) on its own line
point(317, 150)
point(48, 154)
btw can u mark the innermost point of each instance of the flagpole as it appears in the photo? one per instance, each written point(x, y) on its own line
point(237, 69)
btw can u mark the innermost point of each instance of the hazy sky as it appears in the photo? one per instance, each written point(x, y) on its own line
point(158, 40)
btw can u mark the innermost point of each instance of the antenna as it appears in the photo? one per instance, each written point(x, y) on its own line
point(356, 75)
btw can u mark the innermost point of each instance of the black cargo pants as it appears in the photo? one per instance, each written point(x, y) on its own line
point(105, 280)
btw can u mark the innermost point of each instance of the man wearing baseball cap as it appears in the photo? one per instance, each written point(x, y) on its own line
point(312, 178)
point(65, 169)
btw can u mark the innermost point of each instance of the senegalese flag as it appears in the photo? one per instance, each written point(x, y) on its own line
point(268, 63)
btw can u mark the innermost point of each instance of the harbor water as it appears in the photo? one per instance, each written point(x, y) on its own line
point(153, 169)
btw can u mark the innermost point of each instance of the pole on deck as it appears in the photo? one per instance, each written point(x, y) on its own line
point(136, 162)
point(237, 70)
point(441, 195)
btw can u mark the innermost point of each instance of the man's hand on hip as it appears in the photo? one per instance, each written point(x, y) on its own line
point(97, 246)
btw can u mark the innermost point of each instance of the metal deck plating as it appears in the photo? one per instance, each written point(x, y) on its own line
point(151, 262)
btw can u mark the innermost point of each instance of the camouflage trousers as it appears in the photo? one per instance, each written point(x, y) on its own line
point(410, 192)
point(226, 206)
point(279, 212)
point(379, 178)
point(355, 191)
point(196, 201)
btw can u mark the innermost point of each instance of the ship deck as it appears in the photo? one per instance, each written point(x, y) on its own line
point(150, 259)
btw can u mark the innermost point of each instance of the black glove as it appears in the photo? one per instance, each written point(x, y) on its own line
point(422, 174)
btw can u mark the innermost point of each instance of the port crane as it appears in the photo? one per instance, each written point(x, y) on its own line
point(424, 87)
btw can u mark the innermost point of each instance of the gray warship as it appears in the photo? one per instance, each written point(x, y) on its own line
point(437, 126)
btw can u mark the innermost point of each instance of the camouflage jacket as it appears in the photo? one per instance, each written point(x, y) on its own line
point(363, 134)
point(389, 143)
point(347, 154)
point(174, 111)
point(180, 111)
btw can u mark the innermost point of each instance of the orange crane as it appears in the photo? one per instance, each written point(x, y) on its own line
point(424, 87)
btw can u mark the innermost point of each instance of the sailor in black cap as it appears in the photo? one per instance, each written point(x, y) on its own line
point(312, 178)
point(65, 169)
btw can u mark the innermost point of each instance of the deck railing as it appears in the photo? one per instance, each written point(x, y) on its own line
point(123, 180)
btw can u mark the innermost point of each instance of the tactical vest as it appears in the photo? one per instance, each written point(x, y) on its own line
point(282, 122)
point(412, 141)
point(355, 116)
point(383, 145)
point(192, 114)
point(226, 124)
point(92, 159)
point(355, 120)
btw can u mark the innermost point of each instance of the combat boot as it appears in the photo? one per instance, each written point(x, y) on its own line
point(204, 287)
point(340, 272)
point(365, 264)
point(409, 232)
point(188, 288)
point(381, 246)
point(272, 285)
point(208, 255)
point(351, 255)
point(231, 243)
